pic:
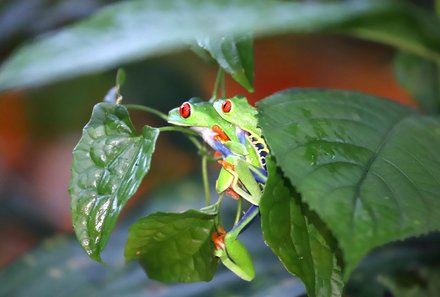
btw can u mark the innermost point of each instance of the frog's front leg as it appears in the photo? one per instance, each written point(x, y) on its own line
point(236, 175)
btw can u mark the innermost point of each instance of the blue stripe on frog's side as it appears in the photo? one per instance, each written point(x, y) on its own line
point(241, 135)
point(250, 215)
point(220, 147)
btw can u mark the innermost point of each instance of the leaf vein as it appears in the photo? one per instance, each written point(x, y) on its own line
point(422, 197)
point(389, 133)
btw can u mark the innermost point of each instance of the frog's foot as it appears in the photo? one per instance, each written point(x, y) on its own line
point(217, 154)
point(230, 192)
point(221, 135)
point(226, 165)
point(218, 238)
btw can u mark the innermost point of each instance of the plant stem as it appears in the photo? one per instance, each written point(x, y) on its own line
point(437, 8)
point(223, 82)
point(196, 143)
point(203, 152)
point(147, 109)
point(183, 130)
point(205, 180)
point(223, 85)
point(437, 13)
point(217, 83)
point(189, 133)
point(239, 209)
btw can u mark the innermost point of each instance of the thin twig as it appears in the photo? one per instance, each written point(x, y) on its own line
point(206, 181)
point(223, 85)
point(217, 83)
point(437, 12)
point(238, 213)
point(147, 109)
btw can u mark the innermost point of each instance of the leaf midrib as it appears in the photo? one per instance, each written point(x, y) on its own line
point(356, 196)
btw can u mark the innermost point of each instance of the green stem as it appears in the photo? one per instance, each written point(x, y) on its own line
point(205, 181)
point(239, 209)
point(183, 130)
point(437, 12)
point(147, 109)
point(203, 152)
point(189, 133)
point(217, 83)
point(223, 85)
point(437, 8)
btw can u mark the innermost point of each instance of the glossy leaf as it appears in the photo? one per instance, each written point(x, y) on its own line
point(235, 55)
point(299, 238)
point(112, 36)
point(174, 247)
point(109, 163)
point(367, 166)
point(421, 79)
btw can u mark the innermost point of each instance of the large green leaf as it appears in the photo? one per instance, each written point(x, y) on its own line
point(298, 238)
point(132, 30)
point(420, 77)
point(174, 247)
point(368, 167)
point(109, 163)
point(235, 55)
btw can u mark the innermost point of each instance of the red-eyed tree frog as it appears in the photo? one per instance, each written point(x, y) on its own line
point(243, 116)
point(238, 177)
point(242, 174)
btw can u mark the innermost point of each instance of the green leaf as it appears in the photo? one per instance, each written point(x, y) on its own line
point(235, 55)
point(174, 247)
point(420, 77)
point(112, 36)
point(399, 24)
point(368, 167)
point(120, 78)
point(299, 238)
point(109, 163)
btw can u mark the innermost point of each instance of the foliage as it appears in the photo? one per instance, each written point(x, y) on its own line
point(174, 247)
point(298, 238)
point(359, 162)
point(112, 36)
point(109, 163)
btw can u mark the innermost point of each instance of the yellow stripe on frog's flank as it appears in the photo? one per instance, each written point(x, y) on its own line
point(260, 147)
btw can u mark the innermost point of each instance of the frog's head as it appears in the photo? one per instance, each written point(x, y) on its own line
point(193, 113)
point(201, 117)
point(237, 111)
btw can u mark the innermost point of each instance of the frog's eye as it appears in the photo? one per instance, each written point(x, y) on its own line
point(226, 105)
point(185, 110)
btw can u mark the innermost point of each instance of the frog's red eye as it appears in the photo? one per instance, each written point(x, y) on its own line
point(226, 106)
point(185, 110)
